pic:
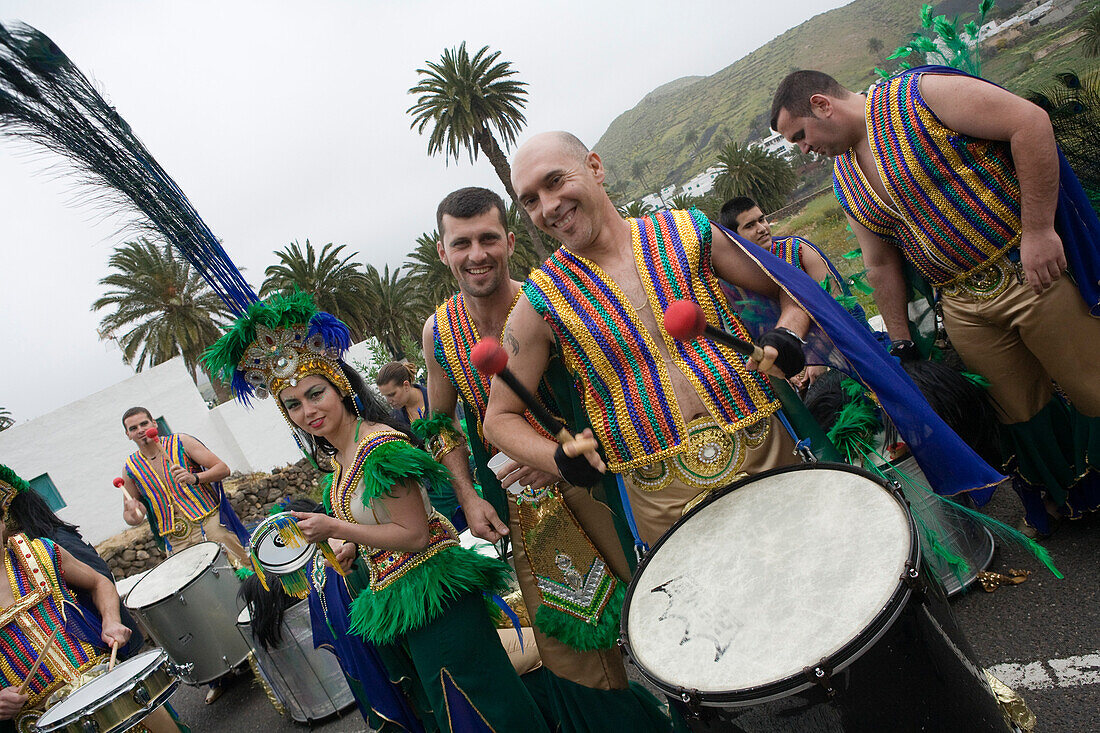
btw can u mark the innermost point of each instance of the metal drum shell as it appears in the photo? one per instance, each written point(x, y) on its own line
point(963, 536)
point(122, 711)
point(196, 623)
point(910, 670)
point(307, 681)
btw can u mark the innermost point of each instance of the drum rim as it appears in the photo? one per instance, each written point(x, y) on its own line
point(261, 532)
point(835, 663)
point(162, 659)
point(179, 590)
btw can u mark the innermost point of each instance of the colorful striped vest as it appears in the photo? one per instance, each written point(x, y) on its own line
point(455, 336)
point(788, 249)
point(40, 597)
point(628, 394)
point(193, 502)
point(957, 198)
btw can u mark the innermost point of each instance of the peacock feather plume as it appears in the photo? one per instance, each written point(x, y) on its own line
point(45, 99)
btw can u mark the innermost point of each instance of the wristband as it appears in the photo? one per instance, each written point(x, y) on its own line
point(576, 470)
point(790, 360)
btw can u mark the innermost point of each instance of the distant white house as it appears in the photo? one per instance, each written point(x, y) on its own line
point(72, 455)
point(776, 144)
point(702, 183)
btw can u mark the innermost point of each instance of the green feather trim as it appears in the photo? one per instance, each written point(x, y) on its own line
point(243, 573)
point(977, 379)
point(424, 592)
point(431, 426)
point(325, 484)
point(277, 311)
point(582, 636)
point(856, 423)
point(397, 461)
point(12, 479)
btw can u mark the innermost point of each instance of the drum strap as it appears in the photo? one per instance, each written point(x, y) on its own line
point(640, 547)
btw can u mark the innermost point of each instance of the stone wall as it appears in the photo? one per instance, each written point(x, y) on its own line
point(252, 496)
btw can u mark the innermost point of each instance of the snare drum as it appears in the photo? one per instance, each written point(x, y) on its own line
point(189, 605)
point(307, 681)
point(116, 700)
point(797, 600)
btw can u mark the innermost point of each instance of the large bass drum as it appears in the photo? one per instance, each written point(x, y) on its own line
point(797, 600)
point(189, 605)
point(306, 681)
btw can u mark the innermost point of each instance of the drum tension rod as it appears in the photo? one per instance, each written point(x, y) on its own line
point(690, 698)
point(912, 578)
point(821, 674)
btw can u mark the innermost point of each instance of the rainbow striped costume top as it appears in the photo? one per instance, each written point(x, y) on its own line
point(628, 394)
point(788, 249)
point(193, 502)
point(957, 198)
point(455, 336)
point(34, 572)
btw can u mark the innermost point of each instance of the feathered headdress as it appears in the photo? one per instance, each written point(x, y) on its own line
point(277, 342)
point(10, 485)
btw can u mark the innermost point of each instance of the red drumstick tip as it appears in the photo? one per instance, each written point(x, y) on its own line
point(489, 356)
point(684, 320)
point(118, 482)
point(151, 433)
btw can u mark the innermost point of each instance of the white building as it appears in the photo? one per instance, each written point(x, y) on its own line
point(702, 183)
point(73, 454)
point(776, 144)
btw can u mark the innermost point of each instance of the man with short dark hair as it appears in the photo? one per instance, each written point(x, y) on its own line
point(545, 516)
point(174, 482)
point(963, 180)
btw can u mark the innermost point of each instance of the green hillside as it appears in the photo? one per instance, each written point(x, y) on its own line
point(734, 102)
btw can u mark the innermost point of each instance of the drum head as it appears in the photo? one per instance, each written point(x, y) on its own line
point(273, 553)
point(768, 578)
point(244, 618)
point(127, 584)
point(173, 574)
point(103, 688)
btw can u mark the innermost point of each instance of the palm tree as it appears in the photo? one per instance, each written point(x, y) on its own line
point(433, 279)
point(681, 201)
point(526, 257)
point(163, 306)
point(464, 100)
point(1091, 33)
point(636, 210)
point(335, 283)
point(874, 46)
point(395, 308)
point(640, 170)
point(6, 420)
point(749, 170)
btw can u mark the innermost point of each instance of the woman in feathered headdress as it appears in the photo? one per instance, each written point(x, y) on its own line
point(417, 593)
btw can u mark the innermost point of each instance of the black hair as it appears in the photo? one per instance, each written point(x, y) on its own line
point(794, 92)
point(732, 209)
point(33, 516)
point(135, 411)
point(370, 407)
point(466, 203)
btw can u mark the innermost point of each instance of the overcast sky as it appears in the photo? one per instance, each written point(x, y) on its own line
point(283, 121)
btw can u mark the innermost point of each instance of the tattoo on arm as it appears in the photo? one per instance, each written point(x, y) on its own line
point(511, 341)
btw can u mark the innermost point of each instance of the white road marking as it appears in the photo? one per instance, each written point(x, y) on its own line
point(1068, 672)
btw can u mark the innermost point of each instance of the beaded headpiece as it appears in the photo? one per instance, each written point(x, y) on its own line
point(277, 342)
point(10, 485)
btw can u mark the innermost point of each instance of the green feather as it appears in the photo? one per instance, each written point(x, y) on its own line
point(576, 633)
point(432, 425)
point(243, 573)
point(396, 461)
point(422, 594)
point(12, 479)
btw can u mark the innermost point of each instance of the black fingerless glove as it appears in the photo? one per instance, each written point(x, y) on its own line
point(791, 360)
point(577, 470)
point(905, 350)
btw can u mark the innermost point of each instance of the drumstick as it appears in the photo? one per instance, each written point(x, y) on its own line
point(41, 658)
point(490, 358)
point(684, 321)
point(114, 653)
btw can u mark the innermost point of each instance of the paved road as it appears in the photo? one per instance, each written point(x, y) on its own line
point(1042, 636)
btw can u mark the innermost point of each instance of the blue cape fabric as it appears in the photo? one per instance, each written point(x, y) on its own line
point(1075, 220)
point(838, 340)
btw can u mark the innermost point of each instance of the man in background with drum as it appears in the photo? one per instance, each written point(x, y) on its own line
point(174, 482)
point(33, 624)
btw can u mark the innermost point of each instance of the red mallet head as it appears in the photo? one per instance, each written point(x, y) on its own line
point(684, 320)
point(118, 482)
point(151, 433)
point(489, 356)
